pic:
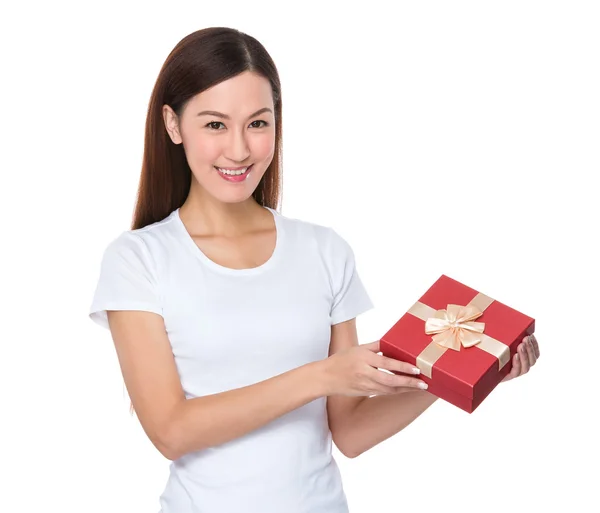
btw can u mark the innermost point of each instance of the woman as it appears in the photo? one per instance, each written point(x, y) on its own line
point(234, 325)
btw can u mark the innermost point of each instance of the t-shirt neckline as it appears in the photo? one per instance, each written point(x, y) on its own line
point(189, 242)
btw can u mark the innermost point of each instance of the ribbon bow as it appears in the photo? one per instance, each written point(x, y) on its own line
point(451, 327)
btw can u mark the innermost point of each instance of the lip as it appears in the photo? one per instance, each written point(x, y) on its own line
point(241, 178)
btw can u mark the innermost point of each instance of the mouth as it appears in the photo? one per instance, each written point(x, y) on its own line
point(235, 175)
point(240, 171)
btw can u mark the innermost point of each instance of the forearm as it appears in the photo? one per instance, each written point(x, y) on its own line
point(377, 418)
point(215, 419)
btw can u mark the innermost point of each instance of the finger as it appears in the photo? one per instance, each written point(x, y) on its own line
point(516, 368)
point(395, 380)
point(530, 353)
point(536, 347)
point(523, 358)
point(373, 346)
point(384, 390)
point(384, 362)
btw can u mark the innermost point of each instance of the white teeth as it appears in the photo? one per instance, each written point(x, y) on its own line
point(232, 171)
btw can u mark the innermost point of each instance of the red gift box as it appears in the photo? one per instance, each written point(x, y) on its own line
point(468, 351)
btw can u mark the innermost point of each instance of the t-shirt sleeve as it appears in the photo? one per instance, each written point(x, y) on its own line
point(350, 298)
point(127, 279)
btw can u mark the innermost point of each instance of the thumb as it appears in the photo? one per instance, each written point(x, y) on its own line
point(373, 346)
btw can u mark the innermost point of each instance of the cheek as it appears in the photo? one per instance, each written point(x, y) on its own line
point(205, 149)
point(264, 147)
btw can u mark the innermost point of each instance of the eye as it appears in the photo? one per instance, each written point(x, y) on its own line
point(212, 124)
point(260, 121)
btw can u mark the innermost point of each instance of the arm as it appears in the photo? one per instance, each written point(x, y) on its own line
point(359, 423)
point(215, 419)
point(176, 425)
point(377, 418)
point(339, 407)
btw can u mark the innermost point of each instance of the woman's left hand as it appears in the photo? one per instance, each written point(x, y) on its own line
point(527, 354)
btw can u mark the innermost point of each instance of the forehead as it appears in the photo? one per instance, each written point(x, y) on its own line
point(237, 96)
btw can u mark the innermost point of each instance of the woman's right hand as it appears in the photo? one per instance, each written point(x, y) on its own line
point(355, 372)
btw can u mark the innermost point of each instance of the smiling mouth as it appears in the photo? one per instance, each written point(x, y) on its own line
point(234, 172)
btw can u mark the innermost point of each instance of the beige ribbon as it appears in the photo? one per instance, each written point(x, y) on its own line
point(452, 328)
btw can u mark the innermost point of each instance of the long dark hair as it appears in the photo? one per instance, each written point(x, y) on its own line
point(199, 61)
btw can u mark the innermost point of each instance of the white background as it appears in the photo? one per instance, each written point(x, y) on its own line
point(437, 137)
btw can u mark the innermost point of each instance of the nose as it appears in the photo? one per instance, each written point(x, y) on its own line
point(238, 149)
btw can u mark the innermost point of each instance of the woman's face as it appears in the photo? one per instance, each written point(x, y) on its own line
point(239, 131)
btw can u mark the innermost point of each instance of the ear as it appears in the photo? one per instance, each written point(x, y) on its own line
point(172, 124)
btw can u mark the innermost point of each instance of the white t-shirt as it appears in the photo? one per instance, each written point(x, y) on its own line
point(231, 328)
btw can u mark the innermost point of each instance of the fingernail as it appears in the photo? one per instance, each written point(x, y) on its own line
point(516, 356)
point(416, 370)
point(423, 385)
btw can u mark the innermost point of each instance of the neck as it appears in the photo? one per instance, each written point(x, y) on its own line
point(217, 219)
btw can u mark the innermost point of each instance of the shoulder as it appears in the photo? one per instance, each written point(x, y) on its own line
point(145, 239)
point(308, 229)
point(141, 245)
point(325, 238)
point(126, 242)
point(127, 252)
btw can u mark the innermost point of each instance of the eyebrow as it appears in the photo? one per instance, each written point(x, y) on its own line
point(225, 116)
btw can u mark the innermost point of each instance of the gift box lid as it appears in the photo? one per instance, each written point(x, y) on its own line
point(470, 370)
